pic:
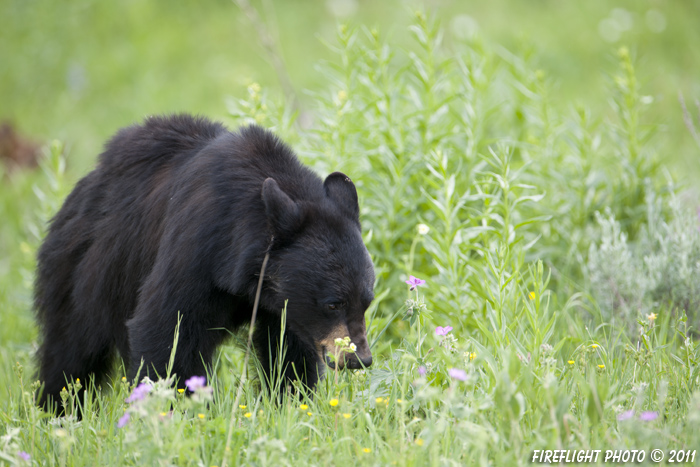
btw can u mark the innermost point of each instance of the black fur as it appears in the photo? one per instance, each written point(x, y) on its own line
point(177, 217)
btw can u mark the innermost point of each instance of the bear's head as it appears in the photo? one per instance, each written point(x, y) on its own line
point(320, 264)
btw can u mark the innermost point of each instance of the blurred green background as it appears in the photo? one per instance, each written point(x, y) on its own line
point(79, 70)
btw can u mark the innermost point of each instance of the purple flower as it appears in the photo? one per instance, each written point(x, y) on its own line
point(648, 416)
point(24, 456)
point(625, 415)
point(414, 282)
point(123, 420)
point(456, 373)
point(440, 331)
point(139, 392)
point(422, 370)
point(195, 383)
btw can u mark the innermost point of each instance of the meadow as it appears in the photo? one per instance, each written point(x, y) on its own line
point(557, 234)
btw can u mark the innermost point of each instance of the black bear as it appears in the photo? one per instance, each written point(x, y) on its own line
point(176, 220)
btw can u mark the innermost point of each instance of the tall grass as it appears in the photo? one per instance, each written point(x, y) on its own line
point(508, 204)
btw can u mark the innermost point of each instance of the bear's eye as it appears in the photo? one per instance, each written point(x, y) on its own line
point(335, 306)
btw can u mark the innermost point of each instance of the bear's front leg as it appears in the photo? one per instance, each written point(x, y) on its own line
point(204, 314)
point(285, 358)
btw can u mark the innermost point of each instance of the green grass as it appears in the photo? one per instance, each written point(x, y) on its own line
point(534, 220)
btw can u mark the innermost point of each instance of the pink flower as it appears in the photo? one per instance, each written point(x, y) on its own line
point(648, 416)
point(456, 373)
point(123, 420)
point(414, 282)
point(440, 331)
point(625, 415)
point(195, 383)
point(24, 456)
point(139, 392)
point(422, 370)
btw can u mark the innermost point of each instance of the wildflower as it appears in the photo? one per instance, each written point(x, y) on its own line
point(260, 412)
point(123, 420)
point(419, 441)
point(571, 362)
point(333, 402)
point(254, 88)
point(139, 392)
point(648, 416)
point(651, 316)
point(242, 406)
point(422, 370)
point(594, 346)
point(304, 407)
point(24, 456)
point(352, 347)
point(440, 331)
point(414, 282)
point(195, 383)
point(201, 416)
point(379, 400)
point(309, 414)
point(123, 379)
point(601, 366)
point(626, 415)
point(400, 401)
point(472, 356)
point(248, 415)
point(423, 229)
point(456, 373)
point(366, 450)
point(532, 295)
point(347, 415)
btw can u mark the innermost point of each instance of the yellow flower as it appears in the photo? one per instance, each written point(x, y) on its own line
point(594, 346)
point(248, 415)
point(242, 406)
point(181, 390)
point(601, 366)
point(124, 378)
point(309, 414)
point(651, 316)
point(379, 400)
point(367, 450)
point(163, 414)
point(201, 416)
point(419, 441)
point(333, 402)
point(532, 295)
point(472, 356)
point(347, 415)
point(571, 362)
point(77, 380)
point(260, 412)
point(254, 88)
point(400, 401)
point(304, 407)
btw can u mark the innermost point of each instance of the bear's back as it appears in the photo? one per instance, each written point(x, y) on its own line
point(157, 141)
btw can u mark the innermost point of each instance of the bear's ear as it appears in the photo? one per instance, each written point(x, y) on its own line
point(282, 212)
point(340, 189)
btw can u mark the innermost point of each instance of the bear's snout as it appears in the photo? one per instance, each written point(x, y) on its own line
point(352, 362)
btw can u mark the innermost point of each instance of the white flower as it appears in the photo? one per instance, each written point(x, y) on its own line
point(423, 229)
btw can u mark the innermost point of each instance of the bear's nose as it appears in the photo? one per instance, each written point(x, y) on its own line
point(366, 362)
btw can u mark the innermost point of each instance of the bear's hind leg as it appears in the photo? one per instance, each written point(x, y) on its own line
point(65, 357)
